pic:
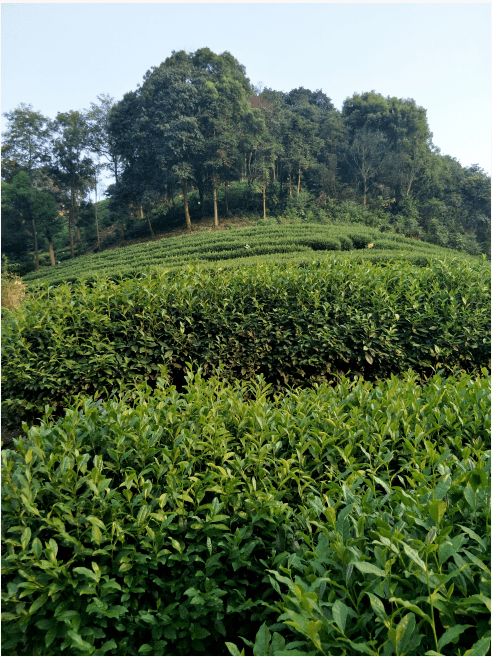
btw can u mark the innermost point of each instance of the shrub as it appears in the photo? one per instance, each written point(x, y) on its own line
point(163, 524)
point(294, 325)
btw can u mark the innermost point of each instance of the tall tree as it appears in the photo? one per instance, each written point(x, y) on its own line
point(25, 143)
point(178, 120)
point(37, 211)
point(101, 140)
point(70, 164)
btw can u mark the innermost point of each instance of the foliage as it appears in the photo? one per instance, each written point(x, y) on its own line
point(265, 239)
point(163, 524)
point(294, 324)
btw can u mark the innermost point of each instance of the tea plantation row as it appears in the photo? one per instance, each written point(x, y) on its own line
point(341, 520)
point(293, 325)
point(243, 245)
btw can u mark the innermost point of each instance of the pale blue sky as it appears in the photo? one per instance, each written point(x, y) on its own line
point(60, 57)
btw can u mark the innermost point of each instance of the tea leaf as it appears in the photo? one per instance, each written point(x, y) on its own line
point(481, 647)
point(340, 611)
point(437, 510)
point(366, 567)
point(262, 641)
point(451, 635)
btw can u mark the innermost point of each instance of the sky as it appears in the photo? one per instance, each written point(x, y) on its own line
point(59, 57)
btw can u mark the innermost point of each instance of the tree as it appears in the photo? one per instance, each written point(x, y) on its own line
point(71, 167)
point(47, 220)
point(223, 109)
point(25, 144)
point(182, 119)
point(16, 236)
point(37, 211)
point(366, 156)
point(101, 141)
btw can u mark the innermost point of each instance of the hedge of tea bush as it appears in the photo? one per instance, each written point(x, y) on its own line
point(342, 520)
point(295, 325)
point(258, 243)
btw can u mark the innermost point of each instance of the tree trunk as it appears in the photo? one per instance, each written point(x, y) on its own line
point(122, 229)
point(184, 187)
point(97, 230)
point(52, 254)
point(226, 199)
point(299, 181)
point(201, 193)
point(150, 225)
point(263, 189)
point(71, 222)
point(35, 243)
point(216, 212)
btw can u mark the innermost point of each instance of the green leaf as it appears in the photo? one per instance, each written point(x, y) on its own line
point(451, 635)
point(377, 606)
point(96, 521)
point(233, 649)
point(340, 612)
point(145, 649)
point(411, 607)
point(413, 556)
point(262, 641)
point(50, 636)
point(404, 633)
point(437, 510)
point(366, 567)
point(471, 533)
point(480, 648)
point(85, 571)
point(442, 487)
point(25, 538)
point(39, 602)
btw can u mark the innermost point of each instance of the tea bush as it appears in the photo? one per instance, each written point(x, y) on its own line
point(293, 324)
point(258, 243)
point(174, 523)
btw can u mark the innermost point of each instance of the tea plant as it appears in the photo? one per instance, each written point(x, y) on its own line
point(246, 245)
point(173, 523)
point(295, 325)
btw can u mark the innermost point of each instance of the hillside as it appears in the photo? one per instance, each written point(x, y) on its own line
point(285, 242)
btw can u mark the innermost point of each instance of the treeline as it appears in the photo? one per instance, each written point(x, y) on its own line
point(197, 126)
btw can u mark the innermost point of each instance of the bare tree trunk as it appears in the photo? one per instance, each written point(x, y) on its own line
point(216, 212)
point(184, 187)
point(299, 181)
point(36, 251)
point(71, 222)
point(52, 254)
point(97, 230)
point(264, 201)
point(148, 221)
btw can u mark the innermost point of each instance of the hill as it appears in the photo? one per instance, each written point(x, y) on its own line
point(267, 241)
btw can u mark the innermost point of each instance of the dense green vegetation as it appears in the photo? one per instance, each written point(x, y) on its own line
point(269, 440)
point(196, 140)
point(348, 519)
point(256, 244)
point(294, 325)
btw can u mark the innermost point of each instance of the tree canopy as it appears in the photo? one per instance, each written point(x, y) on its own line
point(196, 123)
